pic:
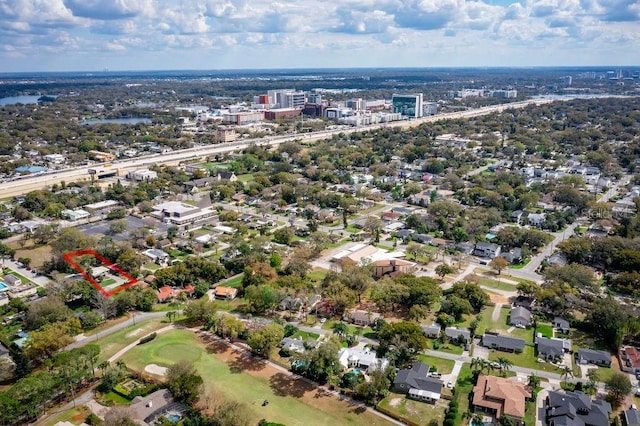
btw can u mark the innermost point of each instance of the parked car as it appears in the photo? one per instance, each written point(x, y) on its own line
point(449, 384)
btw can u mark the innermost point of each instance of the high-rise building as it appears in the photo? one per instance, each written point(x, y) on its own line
point(409, 105)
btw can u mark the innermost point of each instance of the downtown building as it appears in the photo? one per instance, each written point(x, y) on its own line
point(409, 105)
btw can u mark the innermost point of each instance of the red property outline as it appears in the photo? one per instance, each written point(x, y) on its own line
point(68, 257)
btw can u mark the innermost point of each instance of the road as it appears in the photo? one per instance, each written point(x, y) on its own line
point(30, 183)
point(136, 317)
point(529, 271)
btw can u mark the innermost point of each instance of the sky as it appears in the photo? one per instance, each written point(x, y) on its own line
point(93, 35)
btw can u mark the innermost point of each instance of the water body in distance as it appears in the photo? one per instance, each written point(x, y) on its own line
point(131, 120)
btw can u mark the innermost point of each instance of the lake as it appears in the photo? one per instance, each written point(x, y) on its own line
point(13, 100)
point(131, 120)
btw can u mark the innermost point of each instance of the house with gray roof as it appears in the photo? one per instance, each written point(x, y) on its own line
point(631, 417)
point(487, 250)
point(293, 344)
point(432, 330)
point(575, 408)
point(462, 335)
point(593, 356)
point(146, 410)
point(562, 325)
point(520, 316)
point(552, 349)
point(502, 343)
point(416, 384)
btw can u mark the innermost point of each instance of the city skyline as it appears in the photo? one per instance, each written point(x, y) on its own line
point(87, 35)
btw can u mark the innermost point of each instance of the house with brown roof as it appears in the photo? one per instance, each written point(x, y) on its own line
point(500, 397)
point(165, 293)
point(361, 317)
point(225, 293)
point(392, 267)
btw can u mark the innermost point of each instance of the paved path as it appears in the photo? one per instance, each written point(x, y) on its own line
point(136, 317)
point(495, 315)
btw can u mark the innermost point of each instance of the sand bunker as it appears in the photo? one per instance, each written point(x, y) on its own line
point(156, 369)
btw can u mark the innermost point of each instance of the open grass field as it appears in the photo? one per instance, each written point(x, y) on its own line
point(111, 344)
point(37, 254)
point(419, 412)
point(75, 416)
point(239, 377)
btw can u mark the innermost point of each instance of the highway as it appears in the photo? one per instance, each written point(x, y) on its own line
point(23, 185)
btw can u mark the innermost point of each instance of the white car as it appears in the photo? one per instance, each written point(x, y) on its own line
point(520, 326)
point(323, 320)
point(449, 384)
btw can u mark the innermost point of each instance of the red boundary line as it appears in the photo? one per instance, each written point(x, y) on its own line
point(68, 257)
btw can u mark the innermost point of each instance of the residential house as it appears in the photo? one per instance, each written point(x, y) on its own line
point(513, 256)
point(290, 303)
point(466, 248)
point(392, 267)
point(361, 317)
point(500, 397)
point(593, 356)
point(432, 330)
point(404, 234)
point(487, 250)
point(99, 272)
point(524, 301)
point(461, 335)
point(361, 358)
point(561, 325)
point(552, 349)
point(536, 219)
point(631, 417)
point(502, 343)
point(226, 175)
point(146, 410)
point(390, 216)
point(520, 316)
point(11, 280)
point(422, 238)
point(22, 291)
point(629, 359)
point(157, 256)
point(165, 293)
point(516, 216)
point(297, 344)
point(415, 383)
point(575, 408)
point(225, 293)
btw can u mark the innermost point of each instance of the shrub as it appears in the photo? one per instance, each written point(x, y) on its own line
point(148, 338)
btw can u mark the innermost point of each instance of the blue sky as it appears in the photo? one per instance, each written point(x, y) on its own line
point(90, 35)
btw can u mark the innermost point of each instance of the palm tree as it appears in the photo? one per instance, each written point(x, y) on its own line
point(477, 419)
point(340, 329)
point(534, 381)
point(477, 364)
point(566, 372)
point(505, 364)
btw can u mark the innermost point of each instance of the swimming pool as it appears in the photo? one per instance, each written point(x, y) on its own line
point(3, 286)
point(173, 418)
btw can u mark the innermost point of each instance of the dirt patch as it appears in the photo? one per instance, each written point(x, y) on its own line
point(156, 369)
point(137, 332)
point(498, 298)
point(37, 254)
point(395, 402)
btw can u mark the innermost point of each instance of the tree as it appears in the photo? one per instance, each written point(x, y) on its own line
point(262, 298)
point(119, 416)
point(200, 311)
point(418, 312)
point(340, 329)
point(498, 264)
point(184, 382)
point(403, 340)
point(456, 306)
point(505, 363)
point(263, 340)
point(50, 338)
point(283, 236)
point(320, 364)
point(471, 292)
point(618, 386)
point(443, 269)
point(231, 413)
point(606, 320)
point(566, 372)
point(231, 327)
point(534, 382)
point(26, 261)
point(528, 289)
point(45, 233)
point(415, 249)
point(117, 227)
point(375, 389)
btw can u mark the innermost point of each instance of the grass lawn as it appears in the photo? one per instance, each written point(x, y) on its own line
point(306, 335)
point(74, 415)
point(444, 366)
point(248, 380)
point(234, 282)
point(353, 329)
point(107, 281)
point(496, 284)
point(521, 265)
point(545, 329)
point(487, 322)
point(605, 373)
point(245, 178)
point(317, 275)
point(112, 343)
point(463, 388)
point(525, 359)
point(449, 347)
point(151, 266)
point(418, 412)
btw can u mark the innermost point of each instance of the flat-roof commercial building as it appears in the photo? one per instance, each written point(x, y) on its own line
point(409, 105)
point(178, 213)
